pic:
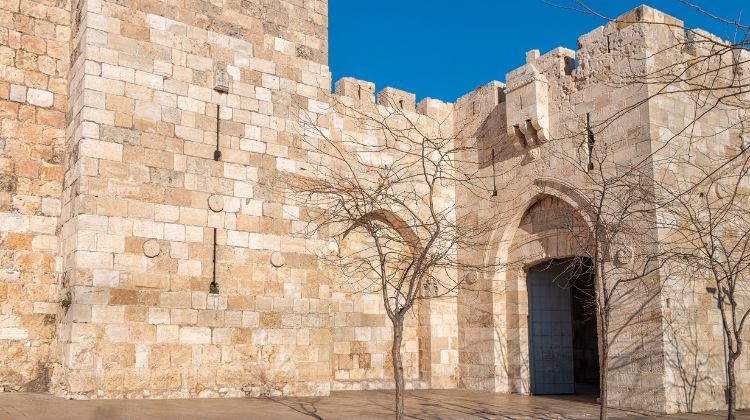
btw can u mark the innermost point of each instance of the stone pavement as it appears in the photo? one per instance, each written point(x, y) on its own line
point(425, 404)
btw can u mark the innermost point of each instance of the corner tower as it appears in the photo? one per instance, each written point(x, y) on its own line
point(182, 115)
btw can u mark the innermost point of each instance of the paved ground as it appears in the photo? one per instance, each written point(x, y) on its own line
point(340, 405)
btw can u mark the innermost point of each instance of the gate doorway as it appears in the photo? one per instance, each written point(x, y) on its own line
point(564, 355)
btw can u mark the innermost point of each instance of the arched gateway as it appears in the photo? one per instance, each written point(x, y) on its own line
point(551, 323)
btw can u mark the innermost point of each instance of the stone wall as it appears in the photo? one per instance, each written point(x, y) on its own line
point(146, 198)
point(540, 151)
point(33, 101)
point(701, 143)
point(362, 331)
point(123, 209)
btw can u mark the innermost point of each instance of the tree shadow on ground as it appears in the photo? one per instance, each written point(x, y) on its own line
point(307, 408)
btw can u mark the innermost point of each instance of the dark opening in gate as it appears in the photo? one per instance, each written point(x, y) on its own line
point(563, 344)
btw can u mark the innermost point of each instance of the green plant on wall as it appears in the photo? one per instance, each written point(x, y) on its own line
point(65, 303)
point(213, 288)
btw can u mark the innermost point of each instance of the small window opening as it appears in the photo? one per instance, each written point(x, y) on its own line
point(500, 95)
point(609, 49)
point(401, 103)
point(473, 108)
point(359, 92)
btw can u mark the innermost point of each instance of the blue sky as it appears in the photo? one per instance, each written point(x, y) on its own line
point(444, 49)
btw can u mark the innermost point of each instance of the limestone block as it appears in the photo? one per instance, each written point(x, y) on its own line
point(90, 295)
point(363, 92)
point(100, 150)
point(151, 280)
point(195, 335)
point(398, 99)
point(105, 314)
point(11, 333)
point(175, 299)
point(158, 316)
point(167, 333)
point(39, 97)
point(189, 268)
point(184, 316)
point(18, 93)
point(174, 232)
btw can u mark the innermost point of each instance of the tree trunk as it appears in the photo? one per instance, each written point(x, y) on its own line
point(603, 323)
point(731, 386)
point(603, 381)
point(398, 368)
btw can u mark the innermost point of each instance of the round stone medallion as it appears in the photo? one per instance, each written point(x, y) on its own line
point(720, 190)
point(277, 260)
point(151, 248)
point(624, 256)
point(216, 203)
point(470, 277)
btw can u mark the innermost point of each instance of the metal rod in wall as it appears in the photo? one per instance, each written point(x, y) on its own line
point(217, 152)
point(213, 278)
point(590, 141)
point(494, 177)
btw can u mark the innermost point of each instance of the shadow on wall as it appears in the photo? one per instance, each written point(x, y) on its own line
point(695, 361)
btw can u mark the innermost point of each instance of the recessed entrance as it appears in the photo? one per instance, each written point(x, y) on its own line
point(564, 356)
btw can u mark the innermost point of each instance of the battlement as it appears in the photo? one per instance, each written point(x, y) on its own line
point(396, 98)
point(434, 108)
point(531, 88)
point(359, 90)
point(361, 93)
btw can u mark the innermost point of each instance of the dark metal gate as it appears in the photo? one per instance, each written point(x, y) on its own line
point(550, 330)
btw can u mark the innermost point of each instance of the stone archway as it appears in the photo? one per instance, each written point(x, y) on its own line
point(550, 229)
point(362, 333)
point(493, 310)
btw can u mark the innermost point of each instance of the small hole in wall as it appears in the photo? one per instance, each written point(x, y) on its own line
point(359, 92)
point(401, 103)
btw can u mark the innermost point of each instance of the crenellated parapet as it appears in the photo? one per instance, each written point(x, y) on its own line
point(434, 108)
point(360, 91)
point(396, 98)
point(362, 94)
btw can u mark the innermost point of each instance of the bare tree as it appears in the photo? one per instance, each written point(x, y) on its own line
point(710, 230)
point(619, 246)
point(703, 84)
point(384, 189)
